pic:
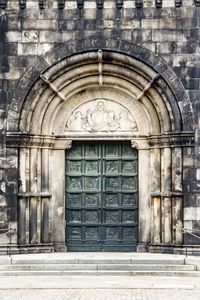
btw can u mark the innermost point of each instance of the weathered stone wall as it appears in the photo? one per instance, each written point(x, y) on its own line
point(28, 29)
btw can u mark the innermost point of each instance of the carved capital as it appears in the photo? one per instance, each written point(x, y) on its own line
point(48, 142)
point(165, 142)
point(154, 142)
point(160, 142)
point(35, 142)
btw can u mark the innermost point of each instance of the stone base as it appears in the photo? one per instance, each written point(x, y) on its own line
point(175, 249)
point(6, 250)
point(142, 247)
point(60, 247)
point(25, 249)
point(187, 250)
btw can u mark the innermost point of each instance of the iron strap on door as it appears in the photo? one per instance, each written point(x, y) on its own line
point(101, 197)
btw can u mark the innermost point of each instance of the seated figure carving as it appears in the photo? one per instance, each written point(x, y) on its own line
point(106, 116)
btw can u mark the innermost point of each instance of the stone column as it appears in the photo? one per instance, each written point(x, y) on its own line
point(45, 191)
point(35, 177)
point(166, 185)
point(144, 195)
point(177, 199)
point(23, 233)
point(155, 196)
point(58, 195)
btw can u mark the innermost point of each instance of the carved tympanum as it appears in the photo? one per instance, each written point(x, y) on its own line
point(101, 116)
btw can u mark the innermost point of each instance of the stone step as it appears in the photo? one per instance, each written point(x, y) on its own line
point(80, 267)
point(149, 261)
point(105, 264)
point(101, 273)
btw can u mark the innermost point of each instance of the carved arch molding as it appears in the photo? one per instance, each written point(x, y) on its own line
point(91, 90)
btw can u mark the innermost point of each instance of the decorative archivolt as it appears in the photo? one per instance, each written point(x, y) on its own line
point(77, 80)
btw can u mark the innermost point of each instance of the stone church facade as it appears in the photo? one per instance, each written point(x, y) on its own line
point(99, 125)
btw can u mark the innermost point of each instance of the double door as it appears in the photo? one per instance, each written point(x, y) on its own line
point(101, 197)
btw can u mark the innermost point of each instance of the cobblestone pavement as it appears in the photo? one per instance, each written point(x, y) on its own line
point(99, 294)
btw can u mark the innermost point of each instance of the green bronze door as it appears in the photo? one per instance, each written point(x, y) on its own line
point(101, 197)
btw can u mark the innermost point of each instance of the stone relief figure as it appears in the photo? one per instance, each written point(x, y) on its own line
point(125, 122)
point(106, 116)
point(100, 119)
point(76, 122)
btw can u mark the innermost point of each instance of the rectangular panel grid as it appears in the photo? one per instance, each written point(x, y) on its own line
point(101, 197)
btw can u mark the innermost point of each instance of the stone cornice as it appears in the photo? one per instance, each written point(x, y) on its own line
point(25, 140)
point(80, 4)
point(185, 139)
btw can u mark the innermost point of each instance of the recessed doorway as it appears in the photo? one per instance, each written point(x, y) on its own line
point(101, 197)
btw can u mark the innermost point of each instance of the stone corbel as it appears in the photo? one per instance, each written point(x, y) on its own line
point(140, 143)
point(134, 144)
point(68, 144)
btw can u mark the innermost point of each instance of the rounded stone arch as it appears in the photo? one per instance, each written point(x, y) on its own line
point(65, 80)
point(166, 82)
point(76, 80)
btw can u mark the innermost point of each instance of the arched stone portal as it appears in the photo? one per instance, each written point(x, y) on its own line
point(139, 97)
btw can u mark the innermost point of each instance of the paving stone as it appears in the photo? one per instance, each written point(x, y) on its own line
point(109, 294)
